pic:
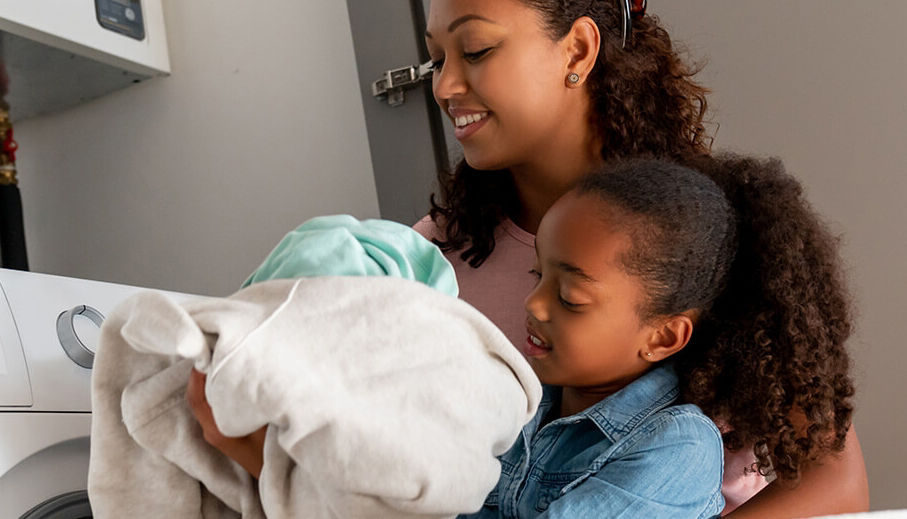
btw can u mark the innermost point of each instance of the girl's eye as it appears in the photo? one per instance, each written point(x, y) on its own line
point(436, 65)
point(567, 304)
point(535, 273)
point(475, 56)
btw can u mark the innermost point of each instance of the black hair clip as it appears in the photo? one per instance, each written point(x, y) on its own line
point(630, 10)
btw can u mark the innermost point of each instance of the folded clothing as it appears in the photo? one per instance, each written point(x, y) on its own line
point(340, 245)
point(383, 398)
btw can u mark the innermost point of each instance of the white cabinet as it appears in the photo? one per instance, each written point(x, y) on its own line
point(57, 53)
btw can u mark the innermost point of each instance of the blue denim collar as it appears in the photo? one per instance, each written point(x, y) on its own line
point(619, 413)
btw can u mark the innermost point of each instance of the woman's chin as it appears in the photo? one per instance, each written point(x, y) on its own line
point(482, 160)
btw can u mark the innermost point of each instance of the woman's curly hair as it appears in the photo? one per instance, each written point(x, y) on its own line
point(644, 101)
point(738, 243)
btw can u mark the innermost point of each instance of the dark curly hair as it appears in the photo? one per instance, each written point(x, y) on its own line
point(767, 358)
point(643, 100)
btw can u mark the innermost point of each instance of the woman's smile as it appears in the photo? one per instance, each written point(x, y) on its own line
point(467, 122)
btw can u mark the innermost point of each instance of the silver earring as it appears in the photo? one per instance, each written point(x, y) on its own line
point(648, 354)
point(573, 78)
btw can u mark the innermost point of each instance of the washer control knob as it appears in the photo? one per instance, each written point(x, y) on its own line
point(66, 332)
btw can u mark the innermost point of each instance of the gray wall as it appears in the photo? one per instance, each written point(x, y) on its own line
point(187, 182)
point(821, 83)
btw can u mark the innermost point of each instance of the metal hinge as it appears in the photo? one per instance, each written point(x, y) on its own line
point(397, 81)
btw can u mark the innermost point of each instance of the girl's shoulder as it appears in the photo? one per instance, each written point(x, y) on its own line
point(680, 433)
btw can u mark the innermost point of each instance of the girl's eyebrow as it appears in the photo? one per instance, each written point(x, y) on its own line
point(461, 20)
point(576, 271)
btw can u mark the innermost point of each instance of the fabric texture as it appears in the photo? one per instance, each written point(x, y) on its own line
point(384, 397)
point(633, 454)
point(500, 286)
point(340, 245)
point(498, 289)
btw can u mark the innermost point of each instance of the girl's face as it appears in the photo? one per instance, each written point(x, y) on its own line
point(500, 78)
point(583, 322)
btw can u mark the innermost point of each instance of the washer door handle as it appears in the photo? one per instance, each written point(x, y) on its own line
point(66, 332)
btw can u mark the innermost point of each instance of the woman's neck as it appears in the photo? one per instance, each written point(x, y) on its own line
point(539, 186)
point(570, 155)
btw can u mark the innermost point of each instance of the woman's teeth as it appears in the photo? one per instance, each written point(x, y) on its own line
point(535, 340)
point(463, 120)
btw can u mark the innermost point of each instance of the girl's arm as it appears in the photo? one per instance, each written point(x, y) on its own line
point(248, 451)
point(838, 485)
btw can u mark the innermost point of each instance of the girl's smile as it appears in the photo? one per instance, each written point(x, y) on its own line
point(535, 346)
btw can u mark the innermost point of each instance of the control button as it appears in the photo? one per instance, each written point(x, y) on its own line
point(72, 344)
point(130, 14)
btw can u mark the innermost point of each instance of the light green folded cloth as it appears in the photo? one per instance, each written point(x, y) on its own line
point(340, 245)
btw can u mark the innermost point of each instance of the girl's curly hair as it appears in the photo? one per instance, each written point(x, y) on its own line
point(769, 358)
point(644, 101)
point(738, 242)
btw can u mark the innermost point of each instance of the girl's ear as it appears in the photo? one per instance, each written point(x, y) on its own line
point(669, 337)
point(581, 45)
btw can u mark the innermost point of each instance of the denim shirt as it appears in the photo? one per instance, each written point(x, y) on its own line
point(632, 455)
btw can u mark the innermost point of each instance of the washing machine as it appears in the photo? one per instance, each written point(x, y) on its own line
point(49, 327)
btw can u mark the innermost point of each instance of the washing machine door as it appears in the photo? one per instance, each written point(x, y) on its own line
point(72, 505)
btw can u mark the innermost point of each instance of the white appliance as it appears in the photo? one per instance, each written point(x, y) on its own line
point(59, 53)
point(49, 326)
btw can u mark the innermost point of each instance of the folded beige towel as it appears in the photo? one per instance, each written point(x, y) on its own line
point(384, 398)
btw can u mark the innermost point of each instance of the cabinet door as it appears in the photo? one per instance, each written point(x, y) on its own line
point(409, 141)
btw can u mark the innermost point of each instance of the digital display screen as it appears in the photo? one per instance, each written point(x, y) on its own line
point(122, 16)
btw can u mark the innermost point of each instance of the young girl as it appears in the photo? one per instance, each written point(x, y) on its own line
point(541, 92)
point(629, 264)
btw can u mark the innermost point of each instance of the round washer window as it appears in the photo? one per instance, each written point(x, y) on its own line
point(73, 505)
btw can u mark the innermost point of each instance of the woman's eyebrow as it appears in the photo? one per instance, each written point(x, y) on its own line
point(461, 20)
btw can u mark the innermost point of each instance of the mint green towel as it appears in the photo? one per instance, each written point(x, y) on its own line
point(340, 245)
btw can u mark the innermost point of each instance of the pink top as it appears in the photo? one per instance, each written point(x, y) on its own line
point(498, 289)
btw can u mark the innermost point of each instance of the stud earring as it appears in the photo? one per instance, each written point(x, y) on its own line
point(648, 354)
point(573, 78)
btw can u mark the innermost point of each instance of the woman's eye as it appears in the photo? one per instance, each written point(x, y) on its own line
point(475, 56)
point(436, 65)
point(535, 273)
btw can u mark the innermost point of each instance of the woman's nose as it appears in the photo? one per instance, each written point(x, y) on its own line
point(448, 82)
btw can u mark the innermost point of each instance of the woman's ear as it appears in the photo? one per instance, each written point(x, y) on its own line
point(668, 337)
point(581, 45)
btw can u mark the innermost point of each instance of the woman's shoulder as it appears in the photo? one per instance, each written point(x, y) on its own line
point(429, 228)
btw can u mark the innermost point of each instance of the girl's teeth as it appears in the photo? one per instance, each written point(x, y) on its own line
point(535, 340)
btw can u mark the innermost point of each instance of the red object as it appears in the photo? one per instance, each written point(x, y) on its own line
point(637, 8)
point(9, 145)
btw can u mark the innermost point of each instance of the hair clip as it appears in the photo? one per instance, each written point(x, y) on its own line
point(630, 10)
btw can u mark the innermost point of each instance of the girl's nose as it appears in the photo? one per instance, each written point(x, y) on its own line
point(535, 304)
point(448, 82)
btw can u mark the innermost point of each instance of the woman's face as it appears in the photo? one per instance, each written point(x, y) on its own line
point(583, 322)
point(499, 77)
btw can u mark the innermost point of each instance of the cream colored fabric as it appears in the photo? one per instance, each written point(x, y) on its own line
point(385, 398)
